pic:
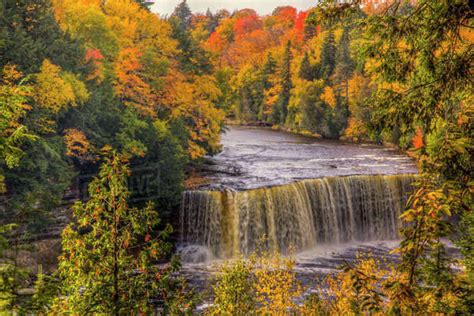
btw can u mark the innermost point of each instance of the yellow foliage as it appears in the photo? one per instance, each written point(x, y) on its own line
point(114, 24)
point(316, 44)
point(467, 35)
point(14, 98)
point(54, 91)
point(122, 18)
point(395, 86)
point(199, 32)
point(264, 284)
point(10, 77)
point(192, 98)
point(76, 143)
point(234, 289)
point(358, 89)
point(271, 97)
point(355, 129)
point(135, 26)
point(349, 288)
point(276, 286)
point(85, 20)
point(329, 97)
point(81, 94)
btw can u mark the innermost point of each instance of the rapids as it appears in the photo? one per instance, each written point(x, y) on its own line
point(260, 157)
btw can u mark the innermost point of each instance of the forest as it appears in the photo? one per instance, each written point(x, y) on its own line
point(109, 112)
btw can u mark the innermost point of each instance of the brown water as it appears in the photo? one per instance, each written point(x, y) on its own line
point(255, 157)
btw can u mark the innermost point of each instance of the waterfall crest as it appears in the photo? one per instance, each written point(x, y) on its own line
point(301, 214)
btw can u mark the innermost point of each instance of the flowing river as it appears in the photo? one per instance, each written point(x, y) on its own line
point(326, 199)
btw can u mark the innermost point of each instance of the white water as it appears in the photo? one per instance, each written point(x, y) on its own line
point(304, 215)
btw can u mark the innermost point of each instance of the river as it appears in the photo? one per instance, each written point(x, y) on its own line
point(326, 199)
point(254, 157)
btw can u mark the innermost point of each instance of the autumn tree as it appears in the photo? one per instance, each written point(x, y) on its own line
point(34, 42)
point(436, 97)
point(109, 255)
point(130, 87)
point(87, 23)
point(54, 90)
point(425, 93)
point(359, 91)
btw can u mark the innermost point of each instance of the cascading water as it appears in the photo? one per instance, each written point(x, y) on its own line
point(302, 214)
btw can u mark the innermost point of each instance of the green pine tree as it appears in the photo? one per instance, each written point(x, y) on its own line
point(344, 63)
point(281, 111)
point(310, 25)
point(269, 69)
point(184, 15)
point(31, 34)
point(328, 56)
point(306, 69)
point(192, 57)
point(146, 4)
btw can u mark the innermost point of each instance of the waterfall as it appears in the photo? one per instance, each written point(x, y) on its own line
point(302, 214)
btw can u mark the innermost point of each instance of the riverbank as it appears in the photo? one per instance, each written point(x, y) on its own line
point(305, 133)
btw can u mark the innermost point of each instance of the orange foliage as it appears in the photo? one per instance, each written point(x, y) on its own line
point(216, 42)
point(250, 49)
point(244, 13)
point(417, 140)
point(355, 129)
point(95, 58)
point(286, 15)
point(76, 143)
point(247, 24)
point(299, 24)
point(10, 75)
point(359, 90)
point(129, 86)
point(93, 54)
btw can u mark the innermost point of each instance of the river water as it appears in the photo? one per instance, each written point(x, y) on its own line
point(327, 199)
point(255, 157)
